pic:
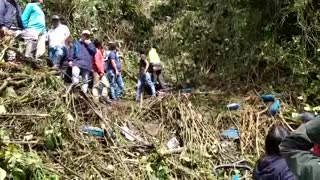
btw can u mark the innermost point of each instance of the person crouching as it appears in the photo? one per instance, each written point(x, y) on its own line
point(80, 59)
point(144, 76)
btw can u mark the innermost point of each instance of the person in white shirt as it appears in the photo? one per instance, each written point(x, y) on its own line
point(58, 37)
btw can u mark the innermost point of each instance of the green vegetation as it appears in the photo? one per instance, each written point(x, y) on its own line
point(229, 51)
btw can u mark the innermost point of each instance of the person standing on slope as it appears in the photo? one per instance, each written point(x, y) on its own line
point(114, 72)
point(156, 67)
point(98, 73)
point(80, 59)
point(34, 34)
point(10, 22)
point(58, 37)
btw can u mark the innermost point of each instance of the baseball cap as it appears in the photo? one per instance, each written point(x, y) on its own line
point(55, 17)
point(86, 32)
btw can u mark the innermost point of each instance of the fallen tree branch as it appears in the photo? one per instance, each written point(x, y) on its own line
point(18, 114)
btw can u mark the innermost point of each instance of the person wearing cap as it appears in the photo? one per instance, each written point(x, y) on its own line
point(58, 37)
point(80, 59)
point(34, 33)
point(114, 72)
point(10, 22)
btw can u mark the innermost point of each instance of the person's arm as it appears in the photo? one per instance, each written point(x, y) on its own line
point(26, 15)
point(112, 58)
point(71, 54)
point(98, 60)
point(147, 65)
point(67, 34)
point(91, 48)
point(296, 149)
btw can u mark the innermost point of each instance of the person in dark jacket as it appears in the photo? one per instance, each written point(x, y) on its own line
point(10, 22)
point(80, 58)
point(273, 166)
point(296, 149)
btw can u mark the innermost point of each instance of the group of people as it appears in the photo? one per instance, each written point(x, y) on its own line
point(85, 58)
point(291, 156)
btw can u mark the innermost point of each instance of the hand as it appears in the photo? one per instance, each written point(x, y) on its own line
point(101, 75)
point(3, 30)
point(70, 63)
point(87, 41)
point(117, 73)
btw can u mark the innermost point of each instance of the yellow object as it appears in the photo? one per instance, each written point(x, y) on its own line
point(153, 56)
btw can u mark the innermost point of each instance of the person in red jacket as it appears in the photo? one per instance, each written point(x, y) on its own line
point(98, 72)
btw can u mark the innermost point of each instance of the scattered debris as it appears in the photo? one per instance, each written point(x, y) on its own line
point(173, 143)
point(152, 128)
point(125, 132)
point(3, 109)
point(186, 90)
point(233, 106)
point(275, 107)
point(268, 98)
point(93, 131)
point(231, 133)
point(110, 167)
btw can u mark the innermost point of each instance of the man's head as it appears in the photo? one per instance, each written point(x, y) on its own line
point(85, 35)
point(112, 45)
point(55, 20)
point(274, 138)
point(98, 44)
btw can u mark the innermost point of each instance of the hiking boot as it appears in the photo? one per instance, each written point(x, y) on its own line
point(105, 100)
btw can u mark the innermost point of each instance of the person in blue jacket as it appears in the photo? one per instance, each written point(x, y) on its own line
point(272, 165)
point(10, 22)
point(33, 20)
point(81, 59)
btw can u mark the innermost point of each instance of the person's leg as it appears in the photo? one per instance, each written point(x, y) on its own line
point(85, 78)
point(41, 45)
point(52, 55)
point(30, 47)
point(161, 80)
point(75, 75)
point(58, 56)
point(150, 84)
point(30, 37)
point(105, 85)
point(120, 84)
point(96, 84)
point(140, 87)
point(112, 81)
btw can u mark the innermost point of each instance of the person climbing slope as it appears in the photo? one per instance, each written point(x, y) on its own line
point(114, 72)
point(80, 59)
point(272, 165)
point(156, 67)
point(10, 22)
point(144, 76)
point(58, 37)
point(34, 34)
point(98, 73)
point(296, 149)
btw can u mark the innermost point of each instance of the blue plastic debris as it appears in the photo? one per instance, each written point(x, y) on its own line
point(186, 90)
point(275, 107)
point(93, 131)
point(231, 134)
point(268, 98)
point(233, 106)
point(236, 177)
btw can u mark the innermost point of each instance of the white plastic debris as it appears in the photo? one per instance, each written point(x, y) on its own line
point(173, 143)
